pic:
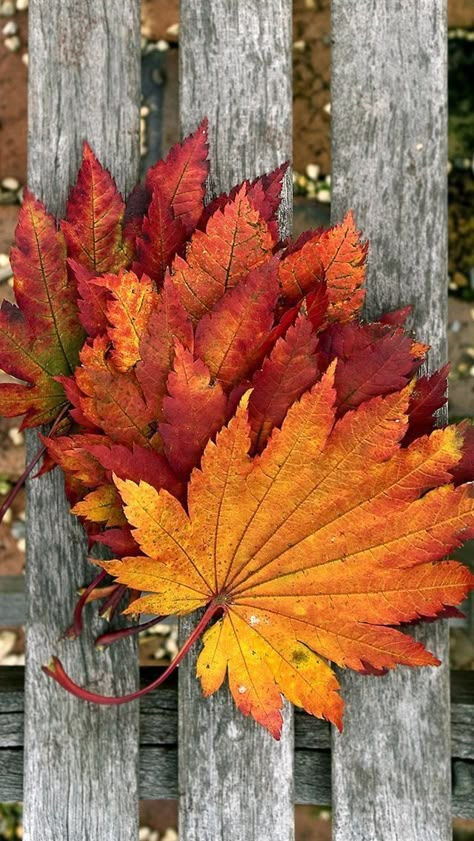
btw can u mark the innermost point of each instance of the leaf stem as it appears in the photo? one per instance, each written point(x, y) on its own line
point(29, 467)
point(111, 604)
point(111, 636)
point(76, 627)
point(56, 671)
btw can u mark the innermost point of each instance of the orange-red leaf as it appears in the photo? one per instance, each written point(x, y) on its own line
point(305, 564)
point(194, 411)
point(168, 323)
point(181, 177)
point(41, 340)
point(92, 300)
point(342, 258)
point(236, 240)
point(112, 399)
point(229, 338)
point(94, 216)
point(291, 368)
point(128, 312)
point(161, 237)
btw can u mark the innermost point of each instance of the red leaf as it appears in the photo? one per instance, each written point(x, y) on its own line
point(120, 541)
point(136, 207)
point(168, 322)
point(464, 470)
point(429, 395)
point(194, 411)
point(92, 300)
point(264, 193)
point(290, 370)
point(73, 454)
point(162, 236)
point(138, 464)
point(373, 360)
point(236, 240)
point(181, 177)
point(396, 318)
point(94, 216)
point(229, 338)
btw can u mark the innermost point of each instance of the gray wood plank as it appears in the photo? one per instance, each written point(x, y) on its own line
point(158, 761)
point(235, 781)
point(81, 760)
point(391, 774)
point(12, 600)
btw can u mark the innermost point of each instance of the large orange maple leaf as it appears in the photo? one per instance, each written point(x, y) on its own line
point(307, 553)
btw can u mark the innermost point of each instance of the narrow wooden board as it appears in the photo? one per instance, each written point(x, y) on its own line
point(81, 777)
point(235, 781)
point(391, 767)
point(158, 760)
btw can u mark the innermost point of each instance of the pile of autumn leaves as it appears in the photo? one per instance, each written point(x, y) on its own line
point(142, 330)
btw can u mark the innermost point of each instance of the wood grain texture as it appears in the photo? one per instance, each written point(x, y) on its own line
point(391, 768)
point(12, 600)
point(158, 760)
point(81, 760)
point(235, 781)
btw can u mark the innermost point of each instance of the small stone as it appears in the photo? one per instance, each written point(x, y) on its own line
point(14, 660)
point(159, 653)
point(460, 280)
point(7, 517)
point(16, 437)
point(21, 5)
point(144, 833)
point(171, 646)
point(173, 30)
point(449, 167)
point(21, 544)
point(7, 8)
point(10, 184)
point(25, 59)
point(18, 529)
point(4, 261)
point(327, 108)
point(419, 147)
point(162, 46)
point(10, 28)
point(170, 835)
point(154, 836)
point(324, 196)
point(300, 46)
point(7, 641)
point(312, 171)
point(144, 111)
point(13, 43)
point(161, 628)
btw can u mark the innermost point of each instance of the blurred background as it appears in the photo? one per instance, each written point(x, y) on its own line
point(312, 187)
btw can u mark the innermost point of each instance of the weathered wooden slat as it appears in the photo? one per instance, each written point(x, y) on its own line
point(391, 771)
point(12, 600)
point(235, 781)
point(84, 63)
point(158, 762)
